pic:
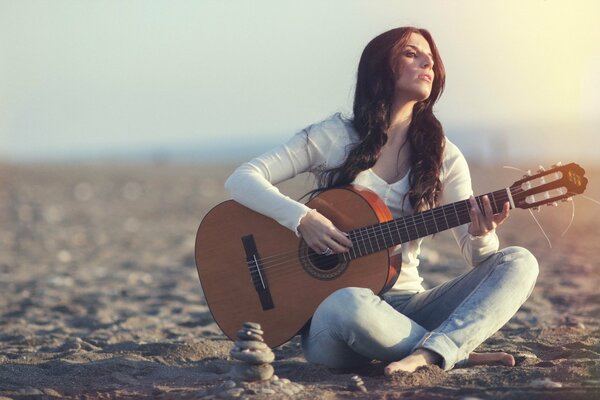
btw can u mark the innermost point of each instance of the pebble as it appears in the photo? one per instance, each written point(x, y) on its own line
point(290, 391)
point(247, 372)
point(231, 393)
point(254, 357)
point(545, 383)
point(248, 334)
point(228, 385)
point(251, 345)
point(252, 325)
point(51, 392)
point(30, 392)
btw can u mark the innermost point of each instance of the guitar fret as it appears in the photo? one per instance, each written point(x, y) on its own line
point(362, 241)
point(406, 228)
point(424, 223)
point(445, 219)
point(390, 233)
point(369, 237)
point(434, 221)
point(455, 213)
point(376, 237)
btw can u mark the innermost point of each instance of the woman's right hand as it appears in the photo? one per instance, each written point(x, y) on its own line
point(320, 234)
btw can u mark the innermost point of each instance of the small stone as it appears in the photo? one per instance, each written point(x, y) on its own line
point(51, 392)
point(297, 387)
point(285, 381)
point(287, 390)
point(228, 384)
point(251, 345)
point(254, 357)
point(245, 372)
point(274, 378)
point(30, 392)
point(250, 334)
point(252, 325)
point(231, 393)
point(265, 391)
point(545, 383)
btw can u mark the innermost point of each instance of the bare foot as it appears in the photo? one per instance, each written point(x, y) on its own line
point(418, 358)
point(491, 358)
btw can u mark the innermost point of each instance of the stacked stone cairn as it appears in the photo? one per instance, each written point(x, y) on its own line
point(356, 384)
point(252, 373)
point(253, 353)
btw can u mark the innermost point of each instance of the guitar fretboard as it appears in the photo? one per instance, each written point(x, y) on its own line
point(373, 238)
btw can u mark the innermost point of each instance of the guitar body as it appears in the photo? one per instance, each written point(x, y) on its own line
point(293, 279)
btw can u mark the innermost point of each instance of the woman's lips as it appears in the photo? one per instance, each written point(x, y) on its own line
point(426, 77)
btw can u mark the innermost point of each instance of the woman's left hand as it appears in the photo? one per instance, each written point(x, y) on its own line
point(485, 222)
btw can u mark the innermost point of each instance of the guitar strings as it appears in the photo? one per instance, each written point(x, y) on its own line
point(363, 235)
point(284, 260)
point(405, 224)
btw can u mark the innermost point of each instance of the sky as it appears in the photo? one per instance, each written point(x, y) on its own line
point(80, 79)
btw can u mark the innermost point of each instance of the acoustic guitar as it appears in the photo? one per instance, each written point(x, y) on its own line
point(253, 269)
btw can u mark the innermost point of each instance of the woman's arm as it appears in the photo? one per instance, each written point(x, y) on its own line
point(321, 145)
point(252, 183)
point(480, 243)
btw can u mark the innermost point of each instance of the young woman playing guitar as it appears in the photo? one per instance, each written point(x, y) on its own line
point(395, 146)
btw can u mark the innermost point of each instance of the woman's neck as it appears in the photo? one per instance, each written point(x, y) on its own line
point(400, 118)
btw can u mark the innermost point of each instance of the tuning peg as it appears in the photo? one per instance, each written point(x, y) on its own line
point(536, 209)
point(567, 199)
point(553, 204)
point(541, 169)
point(558, 164)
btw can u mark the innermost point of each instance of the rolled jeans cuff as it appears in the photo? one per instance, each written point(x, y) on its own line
point(444, 346)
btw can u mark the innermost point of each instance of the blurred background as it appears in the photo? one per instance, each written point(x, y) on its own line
point(221, 81)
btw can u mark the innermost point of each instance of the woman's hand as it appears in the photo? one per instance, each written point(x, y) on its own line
point(482, 223)
point(321, 235)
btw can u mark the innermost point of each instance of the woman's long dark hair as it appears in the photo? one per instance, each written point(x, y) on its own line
point(373, 99)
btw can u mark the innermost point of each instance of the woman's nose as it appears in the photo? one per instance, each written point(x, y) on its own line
point(427, 62)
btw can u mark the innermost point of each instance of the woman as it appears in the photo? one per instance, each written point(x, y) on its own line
point(395, 146)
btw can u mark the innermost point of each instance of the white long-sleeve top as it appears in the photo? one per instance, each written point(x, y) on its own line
point(325, 145)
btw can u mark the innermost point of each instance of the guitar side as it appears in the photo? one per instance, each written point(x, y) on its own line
point(294, 287)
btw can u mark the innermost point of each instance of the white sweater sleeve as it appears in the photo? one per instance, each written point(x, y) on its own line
point(252, 184)
point(456, 186)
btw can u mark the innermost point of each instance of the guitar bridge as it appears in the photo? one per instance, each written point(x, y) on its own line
point(257, 273)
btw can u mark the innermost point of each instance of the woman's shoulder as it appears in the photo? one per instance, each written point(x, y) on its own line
point(334, 128)
point(454, 160)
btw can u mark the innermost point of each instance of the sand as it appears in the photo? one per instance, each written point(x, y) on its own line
point(101, 298)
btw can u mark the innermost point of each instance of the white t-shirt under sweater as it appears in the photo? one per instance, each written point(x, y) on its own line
point(325, 145)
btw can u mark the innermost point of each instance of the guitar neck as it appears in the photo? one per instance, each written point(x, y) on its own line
point(374, 238)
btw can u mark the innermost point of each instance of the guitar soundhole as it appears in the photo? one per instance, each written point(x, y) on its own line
point(321, 266)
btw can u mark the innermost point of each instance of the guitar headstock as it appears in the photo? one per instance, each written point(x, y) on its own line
point(548, 186)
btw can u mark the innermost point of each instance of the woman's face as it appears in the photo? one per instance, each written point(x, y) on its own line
point(414, 70)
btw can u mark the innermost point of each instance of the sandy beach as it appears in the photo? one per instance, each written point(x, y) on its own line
point(101, 297)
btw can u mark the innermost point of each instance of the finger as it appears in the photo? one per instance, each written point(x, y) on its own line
point(489, 213)
point(335, 246)
point(503, 215)
point(474, 214)
point(341, 238)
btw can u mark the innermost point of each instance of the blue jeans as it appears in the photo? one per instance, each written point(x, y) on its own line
point(353, 326)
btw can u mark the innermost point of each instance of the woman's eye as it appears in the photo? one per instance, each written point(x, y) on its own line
point(410, 54)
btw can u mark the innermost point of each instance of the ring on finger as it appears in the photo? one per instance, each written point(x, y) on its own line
point(327, 252)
